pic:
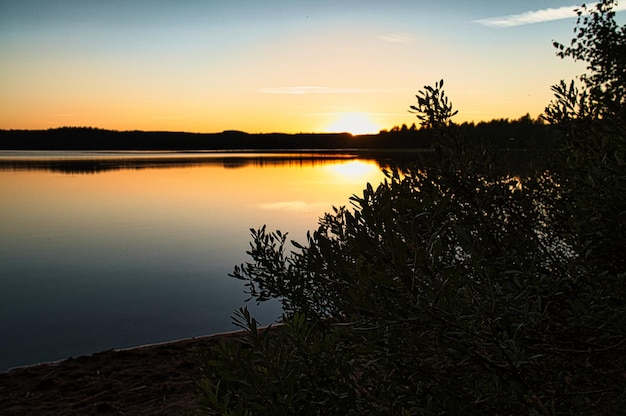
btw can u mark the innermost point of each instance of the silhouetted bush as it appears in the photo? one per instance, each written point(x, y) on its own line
point(451, 289)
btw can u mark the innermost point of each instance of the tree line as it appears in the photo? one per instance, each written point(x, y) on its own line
point(523, 133)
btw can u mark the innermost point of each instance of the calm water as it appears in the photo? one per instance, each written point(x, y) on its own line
point(112, 250)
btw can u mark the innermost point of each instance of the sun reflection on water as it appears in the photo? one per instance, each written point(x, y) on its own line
point(354, 170)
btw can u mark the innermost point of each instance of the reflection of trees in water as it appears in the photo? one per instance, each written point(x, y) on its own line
point(96, 165)
point(514, 162)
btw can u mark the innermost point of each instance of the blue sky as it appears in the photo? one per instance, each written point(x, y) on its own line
point(264, 66)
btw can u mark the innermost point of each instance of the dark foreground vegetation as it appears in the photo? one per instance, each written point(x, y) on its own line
point(457, 288)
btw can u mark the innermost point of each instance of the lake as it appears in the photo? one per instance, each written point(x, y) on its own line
point(109, 250)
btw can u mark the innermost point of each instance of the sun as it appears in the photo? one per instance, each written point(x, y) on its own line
point(353, 123)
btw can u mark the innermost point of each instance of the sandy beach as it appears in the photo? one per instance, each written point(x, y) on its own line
point(158, 379)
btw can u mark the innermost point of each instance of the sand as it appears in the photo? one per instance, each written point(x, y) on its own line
point(157, 379)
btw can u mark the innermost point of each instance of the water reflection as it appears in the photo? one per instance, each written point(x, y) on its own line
point(140, 251)
point(95, 162)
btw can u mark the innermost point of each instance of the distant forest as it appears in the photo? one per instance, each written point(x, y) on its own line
point(522, 133)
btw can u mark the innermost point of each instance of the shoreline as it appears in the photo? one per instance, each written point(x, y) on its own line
point(200, 338)
point(151, 379)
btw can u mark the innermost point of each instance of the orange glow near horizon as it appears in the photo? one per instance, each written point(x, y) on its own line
point(287, 67)
point(277, 195)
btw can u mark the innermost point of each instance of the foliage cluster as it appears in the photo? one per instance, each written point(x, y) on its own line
point(593, 116)
point(601, 43)
point(451, 289)
point(522, 134)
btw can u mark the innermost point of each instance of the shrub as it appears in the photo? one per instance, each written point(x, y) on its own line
point(454, 288)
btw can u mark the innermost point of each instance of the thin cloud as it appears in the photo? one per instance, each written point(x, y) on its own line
point(307, 89)
point(341, 111)
point(286, 206)
point(170, 117)
point(536, 16)
point(398, 38)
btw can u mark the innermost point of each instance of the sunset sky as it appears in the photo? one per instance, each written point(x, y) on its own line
point(275, 65)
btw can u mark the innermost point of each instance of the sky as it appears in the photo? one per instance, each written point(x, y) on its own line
point(265, 66)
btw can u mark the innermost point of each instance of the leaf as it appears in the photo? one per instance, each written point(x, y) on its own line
point(465, 240)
